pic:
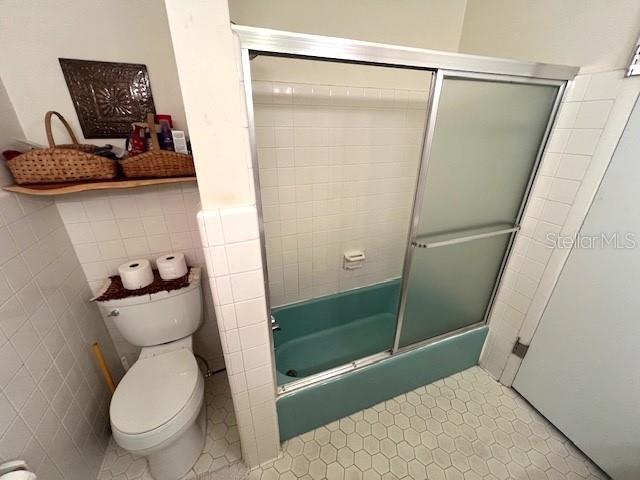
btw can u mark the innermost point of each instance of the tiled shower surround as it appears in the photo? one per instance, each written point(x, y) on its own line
point(338, 167)
point(109, 228)
point(53, 401)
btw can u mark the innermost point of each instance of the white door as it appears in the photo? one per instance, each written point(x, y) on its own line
point(582, 370)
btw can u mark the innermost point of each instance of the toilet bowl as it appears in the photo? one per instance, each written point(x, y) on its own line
point(157, 410)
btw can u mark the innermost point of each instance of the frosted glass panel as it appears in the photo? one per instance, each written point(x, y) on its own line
point(450, 286)
point(484, 148)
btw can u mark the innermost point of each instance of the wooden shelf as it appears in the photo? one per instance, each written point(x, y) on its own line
point(48, 189)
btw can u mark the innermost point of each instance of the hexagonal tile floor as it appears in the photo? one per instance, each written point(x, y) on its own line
point(222, 447)
point(464, 427)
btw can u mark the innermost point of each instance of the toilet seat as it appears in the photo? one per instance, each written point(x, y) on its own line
point(156, 400)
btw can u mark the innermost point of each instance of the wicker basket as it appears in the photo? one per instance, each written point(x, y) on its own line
point(157, 162)
point(61, 163)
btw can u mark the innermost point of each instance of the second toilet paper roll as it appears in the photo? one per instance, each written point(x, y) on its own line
point(171, 266)
point(136, 274)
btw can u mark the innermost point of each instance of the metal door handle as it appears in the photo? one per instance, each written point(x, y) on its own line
point(464, 239)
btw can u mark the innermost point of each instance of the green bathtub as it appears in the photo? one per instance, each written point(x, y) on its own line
point(333, 330)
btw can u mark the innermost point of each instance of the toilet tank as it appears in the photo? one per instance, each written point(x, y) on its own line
point(153, 319)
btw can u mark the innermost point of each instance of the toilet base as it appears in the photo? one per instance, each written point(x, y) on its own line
point(177, 458)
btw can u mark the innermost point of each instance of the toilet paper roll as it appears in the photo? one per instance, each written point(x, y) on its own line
point(171, 266)
point(136, 274)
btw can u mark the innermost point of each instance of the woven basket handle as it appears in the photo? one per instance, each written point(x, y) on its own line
point(151, 123)
point(47, 126)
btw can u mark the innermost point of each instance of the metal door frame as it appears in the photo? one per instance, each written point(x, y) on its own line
point(261, 41)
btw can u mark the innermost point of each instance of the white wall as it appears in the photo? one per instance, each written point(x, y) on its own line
point(9, 131)
point(435, 24)
point(597, 35)
point(338, 166)
point(210, 77)
point(53, 402)
point(34, 35)
point(9, 126)
point(210, 72)
point(109, 228)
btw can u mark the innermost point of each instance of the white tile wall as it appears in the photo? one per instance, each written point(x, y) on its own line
point(580, 147)
point(109, 228)
point(53, 403)
point(230, 239)
point(338, 167)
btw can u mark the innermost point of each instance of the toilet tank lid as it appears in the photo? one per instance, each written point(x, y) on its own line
point(194, 282)
point(153, 391)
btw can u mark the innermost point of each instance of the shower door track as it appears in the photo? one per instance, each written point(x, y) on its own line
point(262, 41)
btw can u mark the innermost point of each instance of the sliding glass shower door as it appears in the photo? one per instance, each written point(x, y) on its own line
point(481, 150)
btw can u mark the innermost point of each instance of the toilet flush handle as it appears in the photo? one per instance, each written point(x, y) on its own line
point(113, 313)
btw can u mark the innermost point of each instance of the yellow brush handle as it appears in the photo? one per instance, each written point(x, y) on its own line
point(102, 364)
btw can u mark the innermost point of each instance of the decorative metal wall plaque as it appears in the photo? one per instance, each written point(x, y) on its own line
point(108, 97)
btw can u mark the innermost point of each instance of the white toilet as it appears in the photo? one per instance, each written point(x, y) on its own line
point(157, 410)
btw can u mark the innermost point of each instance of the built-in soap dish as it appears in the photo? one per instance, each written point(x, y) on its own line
point(353, 259)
